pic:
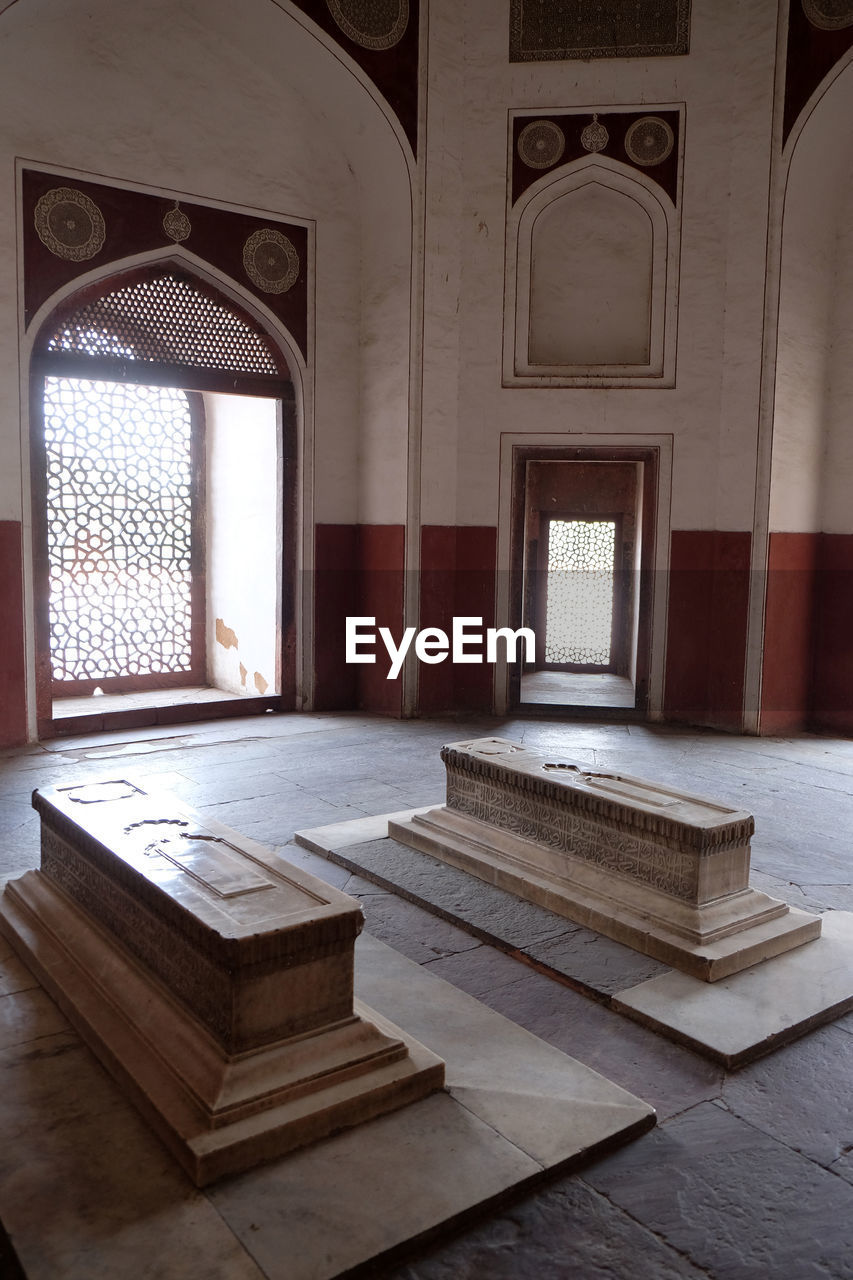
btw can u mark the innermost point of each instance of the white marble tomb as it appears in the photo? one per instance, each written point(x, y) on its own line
point(662, 871)
point(212, 978)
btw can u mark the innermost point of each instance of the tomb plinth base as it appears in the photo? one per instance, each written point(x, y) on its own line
point(213, 979)
point(664, 872)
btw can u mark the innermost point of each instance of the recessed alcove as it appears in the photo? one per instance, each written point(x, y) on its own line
point(591, 261)
point(592, 280)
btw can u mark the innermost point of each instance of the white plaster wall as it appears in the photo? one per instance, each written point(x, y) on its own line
point(243, 562)
point(248, 107)
point(240, 104)
point(712, 413)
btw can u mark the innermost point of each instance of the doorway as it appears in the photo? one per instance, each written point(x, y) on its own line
point(582, 551)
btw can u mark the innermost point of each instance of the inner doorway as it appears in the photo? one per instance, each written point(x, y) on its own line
point(580, 606)
point(581, 555)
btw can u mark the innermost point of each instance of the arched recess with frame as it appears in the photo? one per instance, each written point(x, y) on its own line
point(594, 229)
point(805, 530)
point(314, 141)
point(152, 383)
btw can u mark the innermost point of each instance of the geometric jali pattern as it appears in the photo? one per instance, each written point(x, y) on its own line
point(119, 508)
point(579, 608)
point(166, 320)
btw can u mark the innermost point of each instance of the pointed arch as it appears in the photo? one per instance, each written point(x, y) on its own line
point(165, 320)
point(161, 318)
point(203, 277)
point(594, 228)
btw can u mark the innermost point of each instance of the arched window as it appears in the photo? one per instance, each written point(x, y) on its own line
point(160, 483)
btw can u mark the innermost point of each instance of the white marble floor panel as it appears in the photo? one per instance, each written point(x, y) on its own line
point(88, 1193)
point(749, 1014)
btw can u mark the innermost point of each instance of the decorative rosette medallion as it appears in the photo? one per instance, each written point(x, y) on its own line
point(270, 260)
point(69, 224)
point(541, 144)
point(649, 140)
point(829, 15)
point(373, 24)
point(594, 137)
point(176, 224)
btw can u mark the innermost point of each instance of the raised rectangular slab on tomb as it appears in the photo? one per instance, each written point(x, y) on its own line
point(214, 979)
point(658, 869)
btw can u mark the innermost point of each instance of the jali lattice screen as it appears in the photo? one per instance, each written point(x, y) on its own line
point(168, 321)
point(579, 610)
point(119, 478)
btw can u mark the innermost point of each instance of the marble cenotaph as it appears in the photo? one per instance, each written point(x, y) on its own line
point(212, 978)
point(664, 872)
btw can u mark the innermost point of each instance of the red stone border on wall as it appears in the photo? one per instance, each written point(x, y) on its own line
point(13, 704)
point(706, 637)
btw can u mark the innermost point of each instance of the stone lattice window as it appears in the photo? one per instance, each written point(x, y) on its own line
point(164, 319)
point(122, 508)
point(580, 593)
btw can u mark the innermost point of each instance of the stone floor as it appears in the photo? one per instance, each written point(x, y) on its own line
point(566, 689)
point(749, 1173)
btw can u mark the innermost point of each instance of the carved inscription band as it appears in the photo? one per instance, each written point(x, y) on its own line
point(668, 832)
point(551, 823)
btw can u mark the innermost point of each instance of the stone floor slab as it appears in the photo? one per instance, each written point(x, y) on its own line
point(410, 931)
point(28, 1015)
point(489, 913)
point(667, 1075)
point(843, 1167)
point(815, 1118)
point(494, 915)
point(478, 971)
point(14, 976)
point(339, 835)
point(740, 1018)
point(733, 1200)
point(568, 1232)
point(318, 1213)
point(599, 964)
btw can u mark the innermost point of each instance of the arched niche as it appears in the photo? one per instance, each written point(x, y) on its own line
point(251, 108)
point(591, 261)
point(812, 465)
point(591, 280)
